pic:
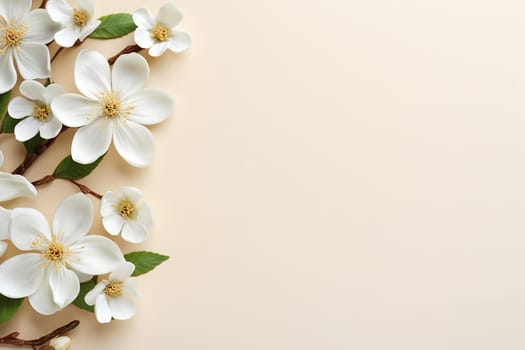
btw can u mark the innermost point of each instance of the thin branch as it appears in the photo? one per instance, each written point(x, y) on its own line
point(13, 339)
point(43, 4)
point(126, 50)
point(86, 190)
point(56, 54)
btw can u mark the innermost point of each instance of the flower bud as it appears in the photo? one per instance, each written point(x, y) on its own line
point(60, 343)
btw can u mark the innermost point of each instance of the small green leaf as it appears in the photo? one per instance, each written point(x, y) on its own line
point(4, 102)
point(84, 289)
point(32, 145)
point(9, 123)
point(8, 308)
point(114, 26)
point(145, 261)
point(71, 170)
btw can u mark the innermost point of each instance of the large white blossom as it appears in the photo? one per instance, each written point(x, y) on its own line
point(114, 106)
point(11, 186)
point(61, 258)
point(77, 23)
point(35, 104)
point(160, 34)
point(112, 297)
point(126, 214)
point(23, 38)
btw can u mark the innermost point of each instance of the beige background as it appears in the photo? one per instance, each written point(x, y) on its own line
point(340, 174)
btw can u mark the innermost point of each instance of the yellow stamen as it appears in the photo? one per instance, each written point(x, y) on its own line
point(111, 106)
point(126, 209)
point(55, 252)
point(160, 32)
point(114, 288)
point(41, 112)
point(11, 34)
point(80, 17)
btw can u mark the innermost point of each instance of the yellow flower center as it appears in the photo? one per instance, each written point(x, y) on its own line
point(41, 112)
point(11, 34)
point(113, 288)
point(126, 209)
point(55, 252)
point(80, 17)
point(111, 106)
point(160, 32)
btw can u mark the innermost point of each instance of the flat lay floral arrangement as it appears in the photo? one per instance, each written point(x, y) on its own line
point(60, 262)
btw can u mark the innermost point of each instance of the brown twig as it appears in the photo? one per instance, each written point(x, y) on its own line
point(56, 54)
point(126, 50)
point(13, 339)
point(83, 188)
point(43, 4)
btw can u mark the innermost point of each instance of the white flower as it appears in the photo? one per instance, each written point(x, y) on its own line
point(77, 23)
point(112, 297)
point(35, 103)
point(159, 34)
point(126, 214)
point(11, 186)
point(114, 107)
point(64, 256)
point(60, 343)
point(23, 35)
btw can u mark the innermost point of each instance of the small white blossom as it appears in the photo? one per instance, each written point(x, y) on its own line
point(23, 38)
point(35, 104)
point(126, 214)
point(62, 257)
point(112, 297)
point(77, 23)
point(159, 34)
point(60, 343)
point(114, 107)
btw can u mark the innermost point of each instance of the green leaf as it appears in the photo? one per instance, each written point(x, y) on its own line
point(114, 26)
point(70, 170)
point(4, 101)
point(145, 261)
point(84, 289)
point(8, 308)
point(32, 145)
point(9, 123)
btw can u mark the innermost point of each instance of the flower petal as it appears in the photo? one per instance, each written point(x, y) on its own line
point(143, 38)
point(33, 90)
point(28, 227)
point(26, 265)
point(8, 76)
point(73, 218)
point(130, 287)
point(134, 232)
point(134, 143)
point(27, 129)
point(52, 91)
point(42, 300)
point(87, 5)
point(129, 75)
point(131, 194)
point(108, 203)
point(102, 310)
point(19, 107)
point(33, 61)
point(92, 75)
point(122, 308)
point(60, 12)
point(14, 186)
point(96, 255)
point(88, 29)
point(67, 36)
point(122, 272)
point(158, 49)
point(145, 217)
point(92, 141)
point(14, 9)
point(64, 285)
point(51, 128)
point(82, 277)
point(5, 216)
point(74, 110)
point(143, 18)
point(91, 296)
point(113, 224)
point(41, 27)
point(152, 106)
point(3, 247)
point(180, 41)
point(169, 15)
